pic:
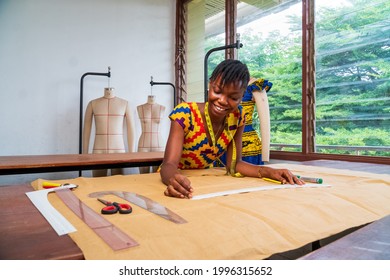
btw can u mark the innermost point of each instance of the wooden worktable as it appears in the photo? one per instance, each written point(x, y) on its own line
point(73, 162)
point(25, 234)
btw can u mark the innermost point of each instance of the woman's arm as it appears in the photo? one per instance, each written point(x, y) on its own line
point(259, 171)
point(178, 185)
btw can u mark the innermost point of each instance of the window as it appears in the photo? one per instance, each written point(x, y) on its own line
point(350, 66)
point(205, 24)
point(353, 77)
point(272, 37)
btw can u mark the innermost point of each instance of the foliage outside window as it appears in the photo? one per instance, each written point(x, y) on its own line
point(353, 78)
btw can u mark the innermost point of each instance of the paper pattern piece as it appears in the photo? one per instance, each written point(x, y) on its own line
point(254, 189)
point(56, 220)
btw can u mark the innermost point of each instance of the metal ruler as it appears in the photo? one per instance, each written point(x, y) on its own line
point(261, 188)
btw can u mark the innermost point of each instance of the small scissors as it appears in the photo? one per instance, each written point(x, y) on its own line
point(113, 207)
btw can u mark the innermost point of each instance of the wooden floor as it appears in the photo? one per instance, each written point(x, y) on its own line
point(371, 242)
point(356, 166)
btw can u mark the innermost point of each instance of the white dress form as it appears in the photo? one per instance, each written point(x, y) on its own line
point(261, 99)
point(109, 114)
point(150, 115)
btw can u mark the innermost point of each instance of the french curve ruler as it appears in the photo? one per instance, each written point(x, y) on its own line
point(112, 235)
point(254, 189)
point(56, 220)
point(145, 203)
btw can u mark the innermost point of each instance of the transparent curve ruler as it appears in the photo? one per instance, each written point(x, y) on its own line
point(111, 235)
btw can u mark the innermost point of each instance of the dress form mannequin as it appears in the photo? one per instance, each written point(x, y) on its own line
point(260, 100)
point(109, 113)
point(150, 115)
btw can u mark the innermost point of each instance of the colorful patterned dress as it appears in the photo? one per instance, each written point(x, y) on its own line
point(251, 143)
point(197, 150)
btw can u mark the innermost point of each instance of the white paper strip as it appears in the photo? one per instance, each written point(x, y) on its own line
point(56, 220)
point(254, 189)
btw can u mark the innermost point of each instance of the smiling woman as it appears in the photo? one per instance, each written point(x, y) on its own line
point(201, 133)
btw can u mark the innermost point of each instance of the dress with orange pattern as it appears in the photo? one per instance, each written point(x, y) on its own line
point(198, 152)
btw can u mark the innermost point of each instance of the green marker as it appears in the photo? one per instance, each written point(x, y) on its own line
point(311, 180)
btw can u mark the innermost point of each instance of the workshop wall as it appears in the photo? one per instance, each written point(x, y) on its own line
point(47, 45)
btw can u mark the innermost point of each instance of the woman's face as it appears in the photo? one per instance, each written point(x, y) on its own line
point(224, 99)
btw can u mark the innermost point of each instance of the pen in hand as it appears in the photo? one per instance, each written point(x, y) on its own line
point(271, 180)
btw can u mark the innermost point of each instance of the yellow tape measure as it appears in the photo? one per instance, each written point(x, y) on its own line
point(210, 126)
point(214, 143)
point(234, 158)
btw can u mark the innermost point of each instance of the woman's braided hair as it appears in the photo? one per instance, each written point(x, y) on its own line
point(231, 71)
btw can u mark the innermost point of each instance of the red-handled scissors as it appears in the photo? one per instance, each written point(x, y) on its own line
point(113, 207)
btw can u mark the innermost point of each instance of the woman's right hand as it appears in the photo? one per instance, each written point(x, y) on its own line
point(179, 186)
